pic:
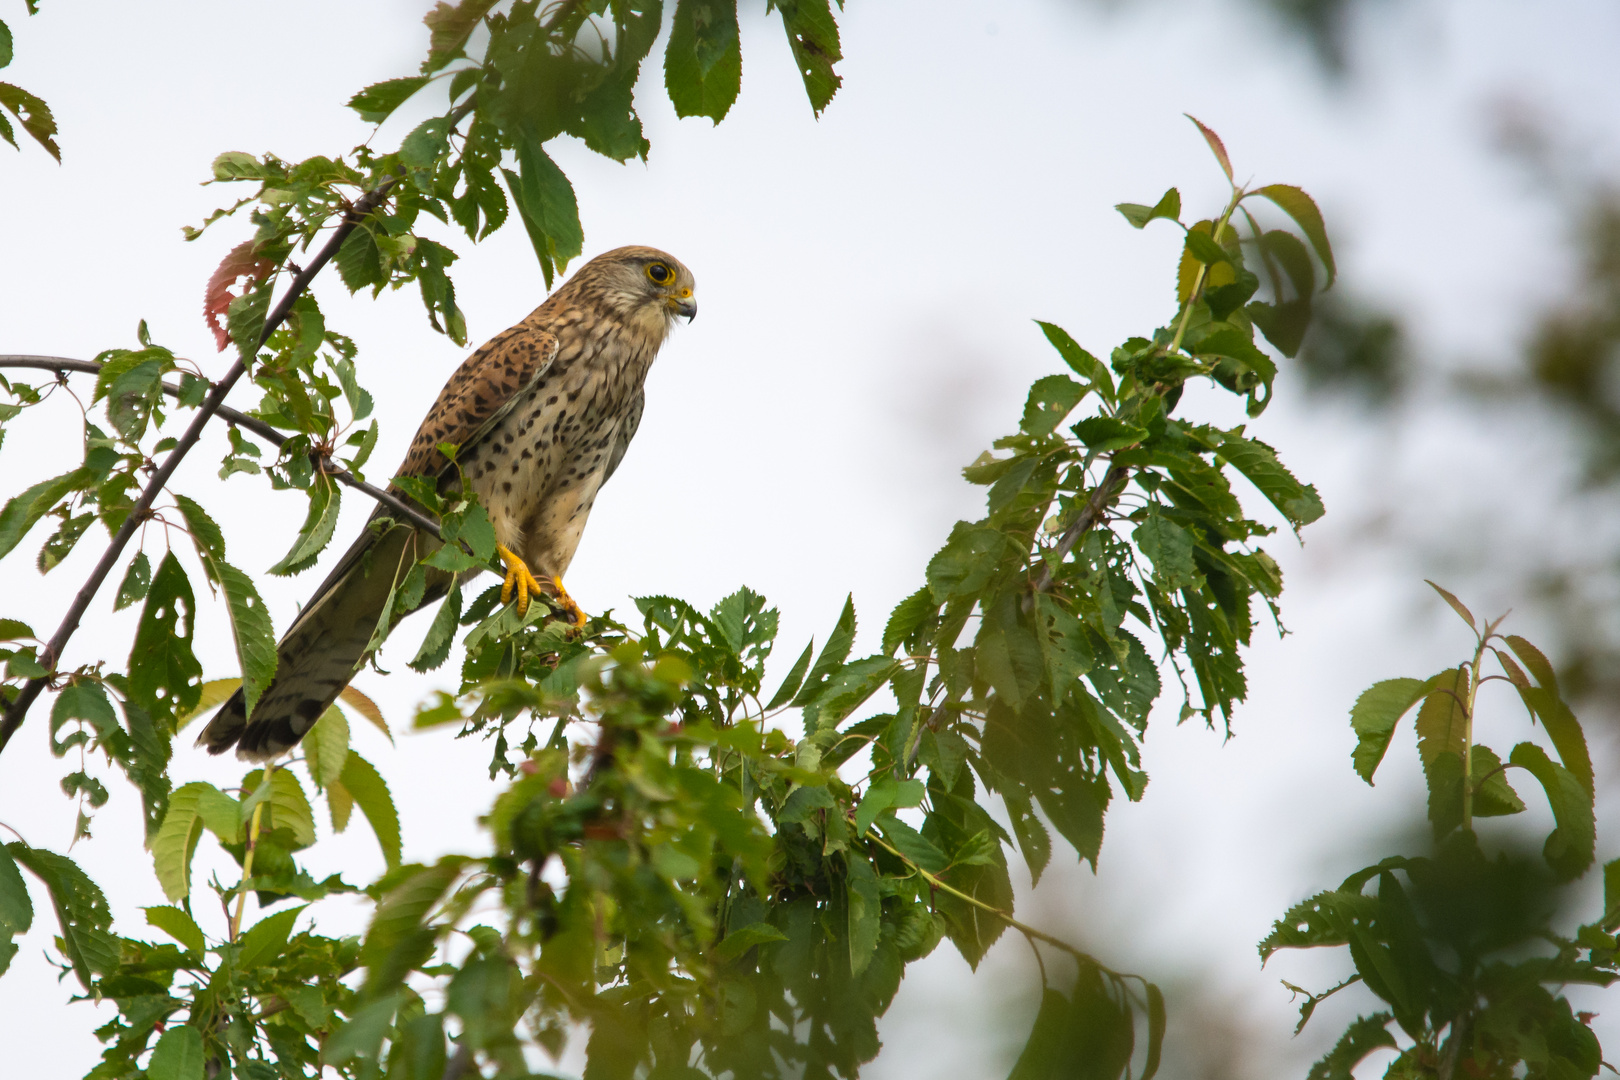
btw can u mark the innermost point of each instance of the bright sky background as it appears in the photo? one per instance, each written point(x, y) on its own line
point(867, 284)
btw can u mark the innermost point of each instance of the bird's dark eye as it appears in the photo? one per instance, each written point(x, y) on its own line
point(659, 273)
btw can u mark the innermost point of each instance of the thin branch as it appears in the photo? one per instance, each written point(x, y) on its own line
point(18, 708)
point(1090, 515)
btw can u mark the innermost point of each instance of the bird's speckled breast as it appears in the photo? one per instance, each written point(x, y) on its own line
point(538, 470)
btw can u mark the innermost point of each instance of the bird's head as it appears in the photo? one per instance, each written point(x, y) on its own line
point(643, 284)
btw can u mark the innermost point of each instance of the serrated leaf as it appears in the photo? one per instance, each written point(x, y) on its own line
point(326, 747)
point(907, 618)
point(365, 785)
point(1033, 839)
point(813, 36)
point(740, 941)
point(1302, 208)
point(1456, 604)
point(397, 942)
point(911, 844)
point(265, 940)
point(1083, 363)
point(325, 502)
point(1170, 548)
point(550, 212)
point(441, 634)
point(865, 907)
point(253, 635)
point(795, 678)
point(137, 579)
point(288, 809)
point(164, 675)
point(34, 116)
point(1298, 502)
point(1216, 147)
point(703, 61)
point(1374, 716)
point(178, 1056)
point(1050, 400)
point(175, 841)
point(178, 925)
point(16, 909)
point(367, 708)
point(1442, 721)
point(1571, 846)
point(81, 911)
point(832, 657)
point(969, 559)
point(1168, 206)
point(1362, 1037)
point(24, 510)
point(378, 101)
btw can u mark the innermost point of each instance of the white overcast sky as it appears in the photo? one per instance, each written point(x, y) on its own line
point(867, 284)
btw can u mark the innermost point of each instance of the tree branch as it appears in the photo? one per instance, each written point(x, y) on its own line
point(18, 708)
point(1090, 515)
point(258, 427)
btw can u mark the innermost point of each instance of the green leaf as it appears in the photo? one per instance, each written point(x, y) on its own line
point(1374, 716)
point(1170, 547)
point(916, 847)
point(176, 841)
point(24, 510)
point(795, 678)
point(703, 61)
point(969, 559)
point(16, 910)
point(1298, 502)
point(83, 700)
point(1084, 364)
point(15, 630)
point(1571, 846)
point(545, 200)
point(1104, 433)
point(7, 50)
point(450, 24)
point(359, 261)
point(81, 911)
point(832, 657)
point(397, 942)
point(1456, 604)
point(268, 937)
point(813, 37)
point(362, 781)
point(178, 925)
point(164, 675)
point(1033, 839)
point(379, 100)
point(1442, 721)
point(367, 708)
point(1202, 246)
point(1050, 400)
point(255, 638)
point(908, 616)
point(441, 634)
point(1362, 1037)
point(179, 1055)
point(1168, 207)
point(1493, 795)
point(289, 809)
point(740, 941)
point(326, 747)
point(1302, 208)
point(34, 116)
point(137, 579)
point(865, 907)
point(325, 501)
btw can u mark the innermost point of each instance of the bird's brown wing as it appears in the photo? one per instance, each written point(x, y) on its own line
point(486, 386)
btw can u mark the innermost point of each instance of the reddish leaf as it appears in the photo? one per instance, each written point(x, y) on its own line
point(1215, 145)
point(238, 264)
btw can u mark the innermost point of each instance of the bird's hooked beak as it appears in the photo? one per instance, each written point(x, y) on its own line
point(684, 305)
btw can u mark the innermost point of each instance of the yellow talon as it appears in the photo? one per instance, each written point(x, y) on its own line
point(518, 573)
point(566, 602)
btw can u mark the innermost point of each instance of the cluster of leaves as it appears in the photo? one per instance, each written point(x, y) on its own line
point(1443, 940)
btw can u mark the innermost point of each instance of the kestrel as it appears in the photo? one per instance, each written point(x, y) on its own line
point(541, 417)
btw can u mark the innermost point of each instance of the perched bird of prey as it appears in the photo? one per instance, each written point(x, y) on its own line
point(541, 417)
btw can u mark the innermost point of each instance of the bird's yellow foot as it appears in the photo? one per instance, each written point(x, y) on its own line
point(566, 603)
point(518, 574)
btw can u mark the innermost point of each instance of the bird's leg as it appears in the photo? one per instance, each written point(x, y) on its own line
point(519, 574)
point(566, 602)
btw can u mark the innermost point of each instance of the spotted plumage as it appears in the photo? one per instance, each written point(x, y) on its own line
point(541, 417)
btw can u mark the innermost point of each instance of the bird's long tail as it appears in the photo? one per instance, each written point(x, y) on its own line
point(321, 651)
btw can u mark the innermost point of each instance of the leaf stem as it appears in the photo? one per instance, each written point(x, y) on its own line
point(1203, 268)
point(247, 860)
point(1468, 737)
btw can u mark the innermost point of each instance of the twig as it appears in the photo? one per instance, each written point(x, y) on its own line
point(247, 860)
point(18, 708)
point(1090, 515)
point(257, 427)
